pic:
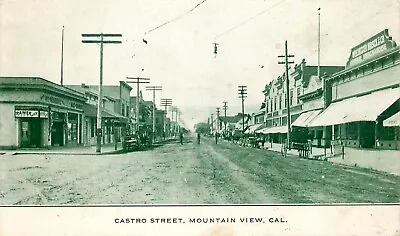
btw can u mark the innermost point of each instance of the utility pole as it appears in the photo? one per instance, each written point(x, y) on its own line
point(172, 121)
point(319, 43)
point(225, 107)
point(212, 123)
point(217, 129)
point(286, 62)
point(154, 89)
point(178, 128)
point(62, 57)
point(242, 95)
point(165, 102)
point(100, 95)
point(218, 126)
point(137, 82)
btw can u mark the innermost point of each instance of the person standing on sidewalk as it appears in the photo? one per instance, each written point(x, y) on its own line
point(198, 138)
point(181, 138)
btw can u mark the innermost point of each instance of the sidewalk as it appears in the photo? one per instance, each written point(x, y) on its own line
point(79, 150)
point(381, 160)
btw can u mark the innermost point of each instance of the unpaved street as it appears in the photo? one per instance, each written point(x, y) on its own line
point(188, 174)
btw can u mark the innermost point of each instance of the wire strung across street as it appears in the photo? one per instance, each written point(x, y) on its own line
point(249, 19)
point(176, 18)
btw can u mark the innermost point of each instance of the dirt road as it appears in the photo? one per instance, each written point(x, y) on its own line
point(188, 174)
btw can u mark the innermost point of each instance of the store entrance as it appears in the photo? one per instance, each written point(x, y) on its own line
point(31, 133)
point(57, 134)
point(367, 134)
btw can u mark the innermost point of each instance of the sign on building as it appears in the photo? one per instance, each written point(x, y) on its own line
point(26, 114)
point(370, 48)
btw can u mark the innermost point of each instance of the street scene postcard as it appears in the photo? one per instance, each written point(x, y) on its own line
point(199, 117)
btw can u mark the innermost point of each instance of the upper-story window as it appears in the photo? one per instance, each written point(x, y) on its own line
point(298, 94)
point(123, 110)
point(280, 102)
point(291, 97)
point(274, 103)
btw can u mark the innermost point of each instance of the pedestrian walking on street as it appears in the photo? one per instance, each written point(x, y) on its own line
point(263, 141)
point(181, 138)
point(216, 138)
point(198, 138)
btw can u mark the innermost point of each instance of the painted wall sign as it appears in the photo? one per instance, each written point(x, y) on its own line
point(371, 47)
point(59, 101)
point(26, 114)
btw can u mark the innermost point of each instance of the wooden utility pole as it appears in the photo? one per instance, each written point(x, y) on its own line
point(100, 41)
point(225, 107)
point(242, 95)
point(165, 102)
point(212, 123)
point(137, 82)
point(286, 62)
point(154, 89)
point(62, 57)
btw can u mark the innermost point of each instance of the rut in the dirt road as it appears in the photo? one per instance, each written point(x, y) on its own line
point(233, 181)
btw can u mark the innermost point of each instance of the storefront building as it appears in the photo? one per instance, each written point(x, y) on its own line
point(364, 95)
point(36, 113)
point(113, 122)
point(302, 86)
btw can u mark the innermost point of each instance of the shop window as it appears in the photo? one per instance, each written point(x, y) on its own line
point(352, 131)
point(387, 133)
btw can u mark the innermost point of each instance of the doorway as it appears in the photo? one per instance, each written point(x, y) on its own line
point(31, 133)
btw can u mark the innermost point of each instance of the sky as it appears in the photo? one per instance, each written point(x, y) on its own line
point(179, 55)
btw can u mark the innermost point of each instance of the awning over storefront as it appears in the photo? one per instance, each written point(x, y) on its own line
point(305, 118)
point(91, 111)
point(393, 120)
point(363, 108)
point(274, 130)
point(253, 128)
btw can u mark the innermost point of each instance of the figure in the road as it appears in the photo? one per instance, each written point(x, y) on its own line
point(216, 138)
point(181, 138)
point(198, 138)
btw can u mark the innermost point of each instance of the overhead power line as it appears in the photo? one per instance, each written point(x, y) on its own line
point(176, 18)
point(249, 19)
